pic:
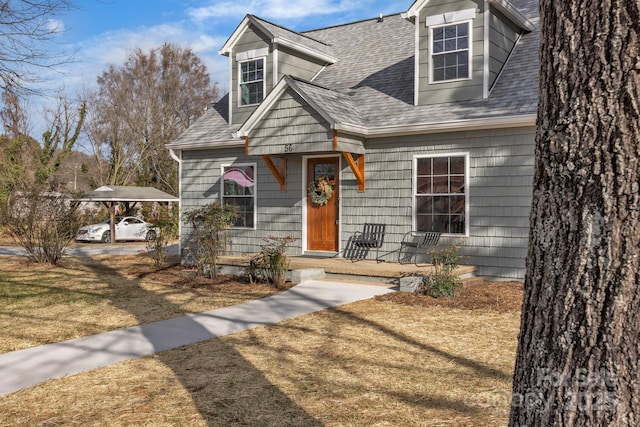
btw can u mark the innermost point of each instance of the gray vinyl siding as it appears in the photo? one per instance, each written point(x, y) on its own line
point(292, 64)
point(250, 40)
point(278, 213)
point(500, 177)
point(291, 126)
point(461, 90)
point(502, 38)
point(501, 172)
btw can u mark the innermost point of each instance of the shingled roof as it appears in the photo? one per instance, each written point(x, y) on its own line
point(371, 84)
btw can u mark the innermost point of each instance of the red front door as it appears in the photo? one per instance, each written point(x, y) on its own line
point(322, 219)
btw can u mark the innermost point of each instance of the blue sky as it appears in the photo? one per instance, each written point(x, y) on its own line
point(104, 32)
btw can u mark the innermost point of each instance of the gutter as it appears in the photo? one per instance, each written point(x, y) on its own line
point(448, 126)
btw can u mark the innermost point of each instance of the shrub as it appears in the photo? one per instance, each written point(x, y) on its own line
point(210, 224)
point(166, 222)
point(442, 282)
point(43, 224)
point(271, 264)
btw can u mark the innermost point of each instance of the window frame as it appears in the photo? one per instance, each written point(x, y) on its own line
point(415, 194)
point(469, 50)
point(241, 83)
point(255, 190)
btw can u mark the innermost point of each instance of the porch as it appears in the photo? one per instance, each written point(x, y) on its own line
point(368, 270)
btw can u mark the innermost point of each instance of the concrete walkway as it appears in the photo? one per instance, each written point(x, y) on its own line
point(34, 365)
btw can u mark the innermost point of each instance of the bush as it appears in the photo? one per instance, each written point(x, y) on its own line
point(442, 282)
point(210, 224)
point(271, 264)
point(166, 221)
point(43, 224)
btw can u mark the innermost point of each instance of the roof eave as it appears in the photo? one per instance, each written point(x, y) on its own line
point(305, 50)
point(513, 14)
point(204, 145)
point(448, 126)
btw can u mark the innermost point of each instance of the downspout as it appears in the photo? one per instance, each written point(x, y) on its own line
point(178, 158)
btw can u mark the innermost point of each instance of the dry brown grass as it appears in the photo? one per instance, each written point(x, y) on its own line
point(380, 362)
point(41, 304)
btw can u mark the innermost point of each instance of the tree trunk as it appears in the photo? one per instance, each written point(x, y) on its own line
point(579, 344)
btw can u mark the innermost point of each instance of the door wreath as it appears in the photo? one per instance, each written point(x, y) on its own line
point(320, 191)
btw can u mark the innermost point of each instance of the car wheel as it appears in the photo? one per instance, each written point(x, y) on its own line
point(151, 236)
point(106, 237)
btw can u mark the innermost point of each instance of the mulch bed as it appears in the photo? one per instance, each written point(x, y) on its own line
point(497, 296)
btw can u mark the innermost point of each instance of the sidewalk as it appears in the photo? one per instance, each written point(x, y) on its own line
point(34, 365)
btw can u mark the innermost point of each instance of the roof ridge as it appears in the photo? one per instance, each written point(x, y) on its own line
point(350, 23)
point(289, 30)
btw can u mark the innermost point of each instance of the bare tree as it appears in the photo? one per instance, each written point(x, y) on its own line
point(27, 29)
point(579, 345)
point(13, 114)
point(141, 106)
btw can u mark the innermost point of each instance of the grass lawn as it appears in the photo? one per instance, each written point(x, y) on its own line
point(397, 360)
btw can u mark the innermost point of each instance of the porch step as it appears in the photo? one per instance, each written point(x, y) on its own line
point(344, 269)
point(299, 276)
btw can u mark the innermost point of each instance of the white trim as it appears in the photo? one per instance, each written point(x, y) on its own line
point(450, 17)
point(255, 190)
point(264, 80)
point(469, 51)
point(448, 126)
point(513, 14)
point(177, 156)
point(231, 62)
point(263, 107)
point(303, 197)
point(305, 50)
point(252, 54)
point(486, 53)
point(416, 67)
point(467, 194)
point(203, 145)
point(235, 36)
point(276, 60)
point(272, 98)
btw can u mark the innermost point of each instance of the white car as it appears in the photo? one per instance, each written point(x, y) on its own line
point(127, 228)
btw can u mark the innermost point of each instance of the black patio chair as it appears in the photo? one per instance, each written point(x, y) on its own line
point(414, 243)
point(361, 242)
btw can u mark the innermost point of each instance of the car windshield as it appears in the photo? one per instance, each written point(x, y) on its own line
point(108, 220)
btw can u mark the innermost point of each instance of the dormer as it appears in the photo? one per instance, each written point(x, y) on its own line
point(260, 54)
point(462, 46)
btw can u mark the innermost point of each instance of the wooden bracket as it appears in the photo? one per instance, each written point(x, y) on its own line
point(246, 145)
point(357, 167)
point(280, 171)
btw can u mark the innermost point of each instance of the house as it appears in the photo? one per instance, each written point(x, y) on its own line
point(422, 120)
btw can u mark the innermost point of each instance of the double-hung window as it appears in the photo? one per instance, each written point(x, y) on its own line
point(251, 81)
point(239, 191)
point(440, 193)
point(450, 53)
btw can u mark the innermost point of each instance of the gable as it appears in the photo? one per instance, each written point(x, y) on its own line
point(292, 125)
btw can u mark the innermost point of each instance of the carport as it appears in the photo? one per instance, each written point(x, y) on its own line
point(114, 195)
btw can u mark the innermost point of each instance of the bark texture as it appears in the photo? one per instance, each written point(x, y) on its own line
point(579, 345)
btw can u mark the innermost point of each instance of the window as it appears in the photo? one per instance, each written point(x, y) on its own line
point(239, 191)
point(251, 81)
point(450, 52)
point(440, 195)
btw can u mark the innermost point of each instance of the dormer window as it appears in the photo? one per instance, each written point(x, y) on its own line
point(450, 54)
point(450, 41)
point(251, 81)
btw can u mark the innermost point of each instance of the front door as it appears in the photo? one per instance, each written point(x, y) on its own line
point(322, 207)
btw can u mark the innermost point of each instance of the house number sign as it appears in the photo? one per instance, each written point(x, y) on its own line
point(288, 148)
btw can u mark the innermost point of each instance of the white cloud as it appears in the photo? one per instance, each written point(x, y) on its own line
point(95, 55)
point(55, 26)
point(273, 9)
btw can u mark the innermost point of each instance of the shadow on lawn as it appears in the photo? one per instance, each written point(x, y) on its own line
point(225, 388)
